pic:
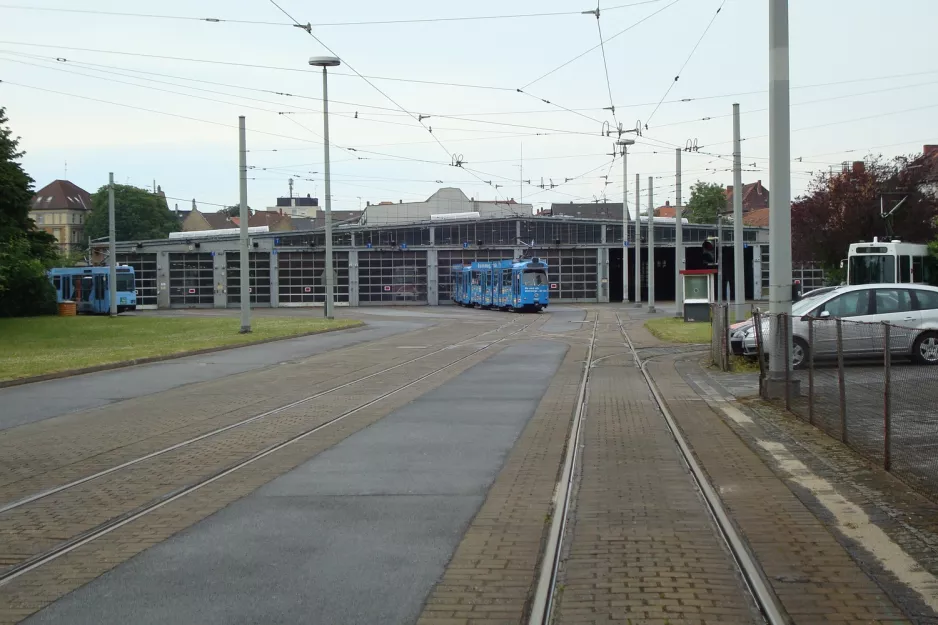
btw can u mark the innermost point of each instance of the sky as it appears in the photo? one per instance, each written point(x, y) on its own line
point(517, 101)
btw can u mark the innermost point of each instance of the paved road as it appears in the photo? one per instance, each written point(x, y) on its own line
point(42, 400)
point(358, 534)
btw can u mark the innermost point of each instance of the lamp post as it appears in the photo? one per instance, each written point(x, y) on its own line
point(624, 147)
point(324, 62)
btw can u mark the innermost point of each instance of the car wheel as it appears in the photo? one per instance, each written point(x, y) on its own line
point(925, 350)
point(799, 354)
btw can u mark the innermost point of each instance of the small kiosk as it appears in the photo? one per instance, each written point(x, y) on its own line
point(698, 289)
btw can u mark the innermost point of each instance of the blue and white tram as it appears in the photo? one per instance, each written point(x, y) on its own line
point(502, 284)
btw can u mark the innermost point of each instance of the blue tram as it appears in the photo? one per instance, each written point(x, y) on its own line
point(88, 288)
point(503, 284)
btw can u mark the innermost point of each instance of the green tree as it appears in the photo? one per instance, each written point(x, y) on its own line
point(25, 252)
point(707, 199)
point(138, 213)
point(235, 211)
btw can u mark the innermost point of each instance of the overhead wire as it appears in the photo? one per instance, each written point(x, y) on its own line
point(621, 32)
point(686, 61)
point(318, 25)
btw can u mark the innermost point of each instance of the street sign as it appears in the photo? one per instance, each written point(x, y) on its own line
point(465, 245)
point(403, 246)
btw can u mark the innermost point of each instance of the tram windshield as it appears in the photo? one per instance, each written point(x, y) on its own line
point(534, 277)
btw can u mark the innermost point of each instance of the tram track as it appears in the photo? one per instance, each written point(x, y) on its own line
point(84, 537)
point(238, 424)
point(544, 596)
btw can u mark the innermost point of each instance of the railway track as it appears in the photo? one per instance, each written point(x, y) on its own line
point(752, 574)
point(65, 546)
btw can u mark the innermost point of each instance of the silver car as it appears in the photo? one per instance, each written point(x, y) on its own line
point(743, 343)
point(911, 310)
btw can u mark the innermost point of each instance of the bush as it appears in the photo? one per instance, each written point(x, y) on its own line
point(24, 285)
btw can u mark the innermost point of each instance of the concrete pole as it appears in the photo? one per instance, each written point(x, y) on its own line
point(719, 252)
point(245, 259)
point(625, 223)
point(739, 275)
point(651, 244)
point(780, 199)
point(638, 246)
point(678, 237)
point(330, 277)
point(112, 248)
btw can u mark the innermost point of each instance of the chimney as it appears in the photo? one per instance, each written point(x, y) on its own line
point(758, 187)
point(858, 167)
point(729, 189)
point(667, 202)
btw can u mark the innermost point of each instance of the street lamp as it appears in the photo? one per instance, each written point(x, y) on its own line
point(624, 144)
point(324, 62)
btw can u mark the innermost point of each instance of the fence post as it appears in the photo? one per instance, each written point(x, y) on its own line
point(887, 396)
point(786, 319)
point(725, 330)
point(840, 381)
point(811, 370)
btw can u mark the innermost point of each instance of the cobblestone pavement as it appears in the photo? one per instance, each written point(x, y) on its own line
point(90, 441)
point(641, 546)
point(878, 501)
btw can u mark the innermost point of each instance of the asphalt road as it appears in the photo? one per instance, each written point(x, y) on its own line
point(357, 535)
point(42, 400)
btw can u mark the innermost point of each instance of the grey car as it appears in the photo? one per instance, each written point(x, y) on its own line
point(911, 311)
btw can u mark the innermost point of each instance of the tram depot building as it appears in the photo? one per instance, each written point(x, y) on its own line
point(388, 262)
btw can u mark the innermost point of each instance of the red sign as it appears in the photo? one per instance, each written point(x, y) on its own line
point(191, 291)
point(554, 285)
point(387, 288)
point(306, 289)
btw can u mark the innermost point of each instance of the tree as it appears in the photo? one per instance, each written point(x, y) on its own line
point(235, 211)
point(25, 252)
point(707, 200)
point(845, 208)
point(138, 214)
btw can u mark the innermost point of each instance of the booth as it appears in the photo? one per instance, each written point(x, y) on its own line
point(698, 288)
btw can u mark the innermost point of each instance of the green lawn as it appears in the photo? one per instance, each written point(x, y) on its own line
point(37, 345)
point(675, 330)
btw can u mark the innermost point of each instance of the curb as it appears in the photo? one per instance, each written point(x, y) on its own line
point(150, 359)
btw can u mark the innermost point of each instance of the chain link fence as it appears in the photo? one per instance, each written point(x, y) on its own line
point(859, 383)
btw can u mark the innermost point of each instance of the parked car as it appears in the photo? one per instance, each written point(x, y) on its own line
point(738, 330)
point(910, 309)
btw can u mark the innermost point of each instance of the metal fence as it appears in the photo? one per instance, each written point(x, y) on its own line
point(719, 336)
point(858, 383)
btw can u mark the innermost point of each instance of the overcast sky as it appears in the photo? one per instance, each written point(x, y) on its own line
point(864, 79)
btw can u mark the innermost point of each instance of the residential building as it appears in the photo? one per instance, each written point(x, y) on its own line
point(61, 209)
point(667, 210)
point(296, 206)
point(196, 220)
point(755, 196)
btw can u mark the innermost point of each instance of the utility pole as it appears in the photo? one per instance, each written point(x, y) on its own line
point(111, 246)
point(719, 251)
point(624, 146)
point(780, 200)
point(678, 237)
point(638, 246)
point(651, 244)
point(245, 265)
point(739, 275)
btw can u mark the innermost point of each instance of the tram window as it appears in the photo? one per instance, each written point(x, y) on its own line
point(99, 287)
point(506, 278)
point(534, 278)
point(905, 269)
point(57, 282)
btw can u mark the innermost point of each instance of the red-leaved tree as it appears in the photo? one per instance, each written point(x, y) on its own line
point(845, 208)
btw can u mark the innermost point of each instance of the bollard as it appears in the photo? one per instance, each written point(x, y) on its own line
point(811, 371)
point(840, 381)
point(887, 395)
